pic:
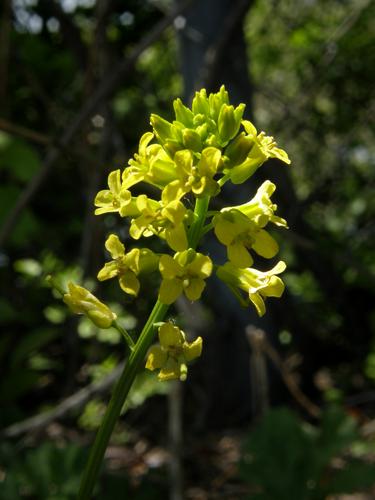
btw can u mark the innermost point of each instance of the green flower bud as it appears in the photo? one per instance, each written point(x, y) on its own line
point(191, 140)
point(162, 128)
point(200, 103)
point(171, 147)
point(238, 149)
point(216, 101)
point(183, 114)
point(81, 301)
point(229, 121)
point(199, 119)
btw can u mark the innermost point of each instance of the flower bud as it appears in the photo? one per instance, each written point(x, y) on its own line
point(81, 301)
point(238, 149)
point(191, 140)
point(162, 128)
point(216, 102)
point(200, 103)
point(229, 121)
point(183, 114)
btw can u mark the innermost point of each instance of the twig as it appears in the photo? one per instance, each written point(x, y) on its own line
point(273, 355)
point(258, 371)
point(73, 402)
point(10, 127)
point(104, 91)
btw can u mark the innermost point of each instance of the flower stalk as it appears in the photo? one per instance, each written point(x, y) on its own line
point(135, 360)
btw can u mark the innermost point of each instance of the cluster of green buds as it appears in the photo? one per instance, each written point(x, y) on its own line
point(189, 159)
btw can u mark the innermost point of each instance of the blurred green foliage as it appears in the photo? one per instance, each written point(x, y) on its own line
point(288, 459)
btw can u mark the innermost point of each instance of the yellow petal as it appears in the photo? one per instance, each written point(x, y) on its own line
point(108, 271)
point(169, 291)
point(274, 288)
point(130, 177)
point(170, 335)
point(201, 266)
point(114, 181)
point(175, 190)
point(225, 230)
point(195, 288)
point(129, 283)
point(168, 267)
point(114, 246)
point(279, 268)
point(132, 260)
point(193, 350)
point(170, 371)
point(258, 302)
point(209, 162)
point(184, 161)
point(104, 199)
point(156, 358)
point(144, 141)
point(176, 238)
point(174, 211)
point(265, 245)
point(281, 155)
point(249, 127)
point(239, 255)
point(138, 226)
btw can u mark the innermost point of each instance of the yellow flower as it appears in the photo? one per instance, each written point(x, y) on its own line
point(173, 353)
point(81, 301)
point(263, 147)
point(240, 228)
point(260, 209)
point(126, 266)
point(197, 178)
point(114, 199)
point(257, 284)
point(184, 273)
point(151, 164)
point(240, 234)
point(165, 221)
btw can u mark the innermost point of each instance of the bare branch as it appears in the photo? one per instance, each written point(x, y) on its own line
point(10, 127)
point(258, 338)
point(73, 402)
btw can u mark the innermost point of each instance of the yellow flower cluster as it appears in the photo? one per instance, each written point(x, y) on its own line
point(189, 158)
point(172, 353)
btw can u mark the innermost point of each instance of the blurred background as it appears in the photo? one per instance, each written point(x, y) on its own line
point(278, 408)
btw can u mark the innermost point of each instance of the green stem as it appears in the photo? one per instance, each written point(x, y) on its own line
point(117, 400)
point(136, 358)
point(200, 211)
point(223, 180)
point(125, 334)
point(207, 228)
